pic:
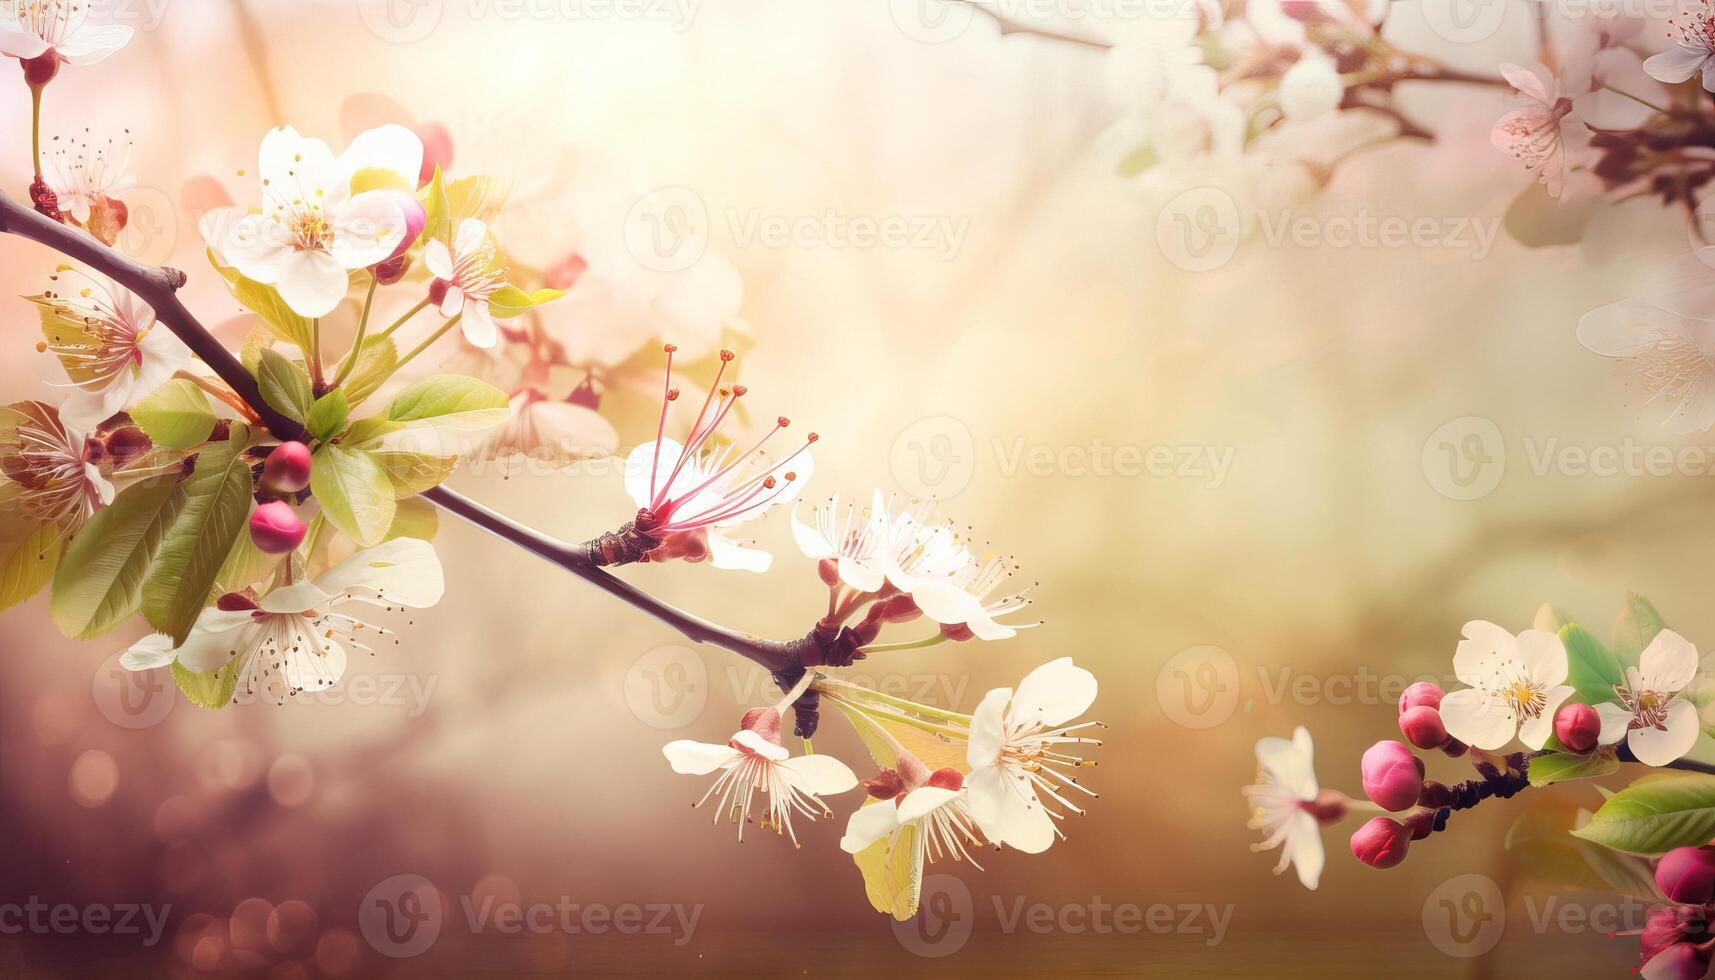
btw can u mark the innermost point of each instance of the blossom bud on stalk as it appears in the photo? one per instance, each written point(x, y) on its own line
point(1421, 694)
point(41, 69)
point(1393, 777)
point(1679, 962)
point(1422, 727)
point(276, 528)
point(287, 469)
point(1669, 925)
point(1577, 726)
point(1687, 875)
point(1381, 843)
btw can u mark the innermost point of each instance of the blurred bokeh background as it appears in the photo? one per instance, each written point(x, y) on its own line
point(1346, 453)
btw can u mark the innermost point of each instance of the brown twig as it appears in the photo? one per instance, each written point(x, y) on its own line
point(159, 287)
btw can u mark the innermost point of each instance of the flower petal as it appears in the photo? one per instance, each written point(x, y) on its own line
point(1668, 664)
point(868, 824)
point(477, 323)
point(761, 746)
point(697, 758)
point(312, 283)
point(1658, 747)
point(1478, 719)
point(367, 229)
point(919, 802)
point(1479, 654)
point(1304, 847)
point(90, 44)
point(1053, 694)
point(820, 774)
point(988, 729)
point(1675, 65)
point(1535, 731)
point(1543, 657)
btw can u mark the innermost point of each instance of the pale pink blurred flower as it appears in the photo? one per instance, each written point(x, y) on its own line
point(1693, 51)
point(32, 28)
point(465, 276)
point(1546, 135)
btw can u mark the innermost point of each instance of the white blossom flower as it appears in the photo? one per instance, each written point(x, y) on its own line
point(465, 276)
point(1546, 134)
point(691, 495)
point(1311, 88)
point(313, 230)
point(298, 637)
point(32, 28)
point(930, 561)
point(1668, 339)
point(87, 179)
point(1693, 51)
point(1517, 684)
point(754, 761)
point(109, 344)
point(855, 540)
point(935, 809)
point(548, 433)
point(1281, 802)
point(1654, 718)
point(1017, 752)
point(44, 462)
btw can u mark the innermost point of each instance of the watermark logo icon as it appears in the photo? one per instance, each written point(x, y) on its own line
point(1198, 687)
point(944, 920)
point(1465, 916)
point(934, 457)
point(401, 916)
point(668, 687)
point(1465, 458)
point(1199, 230)
point(667, 230)
point(132, 698)
point(400, 21)
point(931, 21)
point(1465, 21)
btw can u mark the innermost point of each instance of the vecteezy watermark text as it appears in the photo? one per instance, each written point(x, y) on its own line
point(65, 919)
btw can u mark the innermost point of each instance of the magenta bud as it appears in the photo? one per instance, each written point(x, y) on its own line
point(1393, 777)
point(1682, 961)
point(1577, 726)
point(1421, 694)
point(1687, 875)
point(1381, 843)
point(276, 528)
point(437, 150)
point(287, 469)
point(1422, 727)
point(1670, 924)
point(415, 219)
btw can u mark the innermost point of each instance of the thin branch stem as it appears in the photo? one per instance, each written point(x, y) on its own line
point(405, 317)
point(440, 332)
point(36, 126)
point(362, 328)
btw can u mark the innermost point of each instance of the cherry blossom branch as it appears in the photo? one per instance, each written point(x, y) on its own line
point(158, 286)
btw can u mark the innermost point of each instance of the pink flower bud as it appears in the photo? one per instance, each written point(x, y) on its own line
point(437, 150)
point(1422, 727)
point(1381, 843)
point(1393, 777)
point(1667, 925)
point(275, 528)
point(946, 779)
point(1423, 693)
point(1679, 962)
point(1687, 875)
point(1577, 726)
point(415, 218)
point(287, 469)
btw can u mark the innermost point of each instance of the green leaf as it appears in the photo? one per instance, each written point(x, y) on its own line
point(509, 301)
point(176, 415)
point(1636, 626)
point(450, 400)
point(1544, 850)
point(216, 503)
point(211, 690)
point(1535, 219)
point(1594, 670)
point(412, 473)
point(328, 415)
point(1559, 767)
point(354, 492)
point(27, 562)
point(1138, 161)
point(1656, 815)
point(265, 301)
point(285, 386)
point(100, 580)
point(446, 203)
point(245, 566)
point(375, 364)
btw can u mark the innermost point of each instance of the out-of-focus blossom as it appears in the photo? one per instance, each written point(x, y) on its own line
point(1281, 802)
point(32, 28)
point(298, 638)
point(1546, 134)
point(109, 344)
point(548, 433)
point(465, 276)
point(87, 181)
point(1667, 338)
point(1311, 88)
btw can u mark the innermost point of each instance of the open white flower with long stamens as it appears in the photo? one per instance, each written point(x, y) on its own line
point(854, 540)
point(109, 344)
point(1284, 802)
point(754, 761)
point(466, 275)
point(1693, 51)
point(1667, 339)
point(87, 181)
point(1652, 716)
point(298, 637)
point(32, 28)
point(1517, 684)
point(314, 227)
point(43, 462)
point(1017, 754)
point(924, 817)
point(690, 495)
point(930, 561)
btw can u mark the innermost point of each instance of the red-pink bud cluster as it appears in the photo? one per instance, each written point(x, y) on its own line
point(1420, 719)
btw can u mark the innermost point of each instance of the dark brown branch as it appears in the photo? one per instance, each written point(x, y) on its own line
point(159, 288)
